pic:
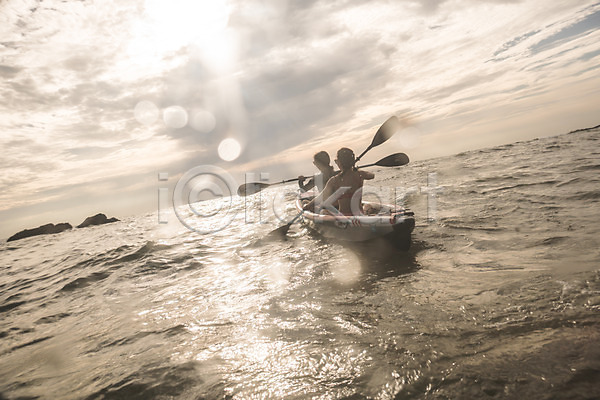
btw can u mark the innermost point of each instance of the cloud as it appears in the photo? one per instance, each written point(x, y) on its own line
point(586, 25)
point(89, 152)
point(474, 81)
point(514, 42)
point(8, 71)
point(319, 85)
point(589, 55)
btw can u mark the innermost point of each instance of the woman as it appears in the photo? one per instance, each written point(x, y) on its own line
point(321, 161)
point(344, 190)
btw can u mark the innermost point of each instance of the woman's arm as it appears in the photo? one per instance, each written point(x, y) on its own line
point(306, 187)
point(327, 191)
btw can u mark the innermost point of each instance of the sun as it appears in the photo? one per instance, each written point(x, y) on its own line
point(166, 26)
point(181, 22)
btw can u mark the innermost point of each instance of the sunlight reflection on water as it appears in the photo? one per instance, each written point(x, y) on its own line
point(346, 268)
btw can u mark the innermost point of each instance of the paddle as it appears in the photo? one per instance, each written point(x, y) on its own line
point(393, 160)
point(249, 188)
point(282, 231)
point(385, 131)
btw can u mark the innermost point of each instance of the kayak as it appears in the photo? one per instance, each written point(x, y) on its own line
point(378, 221)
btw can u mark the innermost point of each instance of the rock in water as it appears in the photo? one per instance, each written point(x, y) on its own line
point(40, 230)
point(98, 219)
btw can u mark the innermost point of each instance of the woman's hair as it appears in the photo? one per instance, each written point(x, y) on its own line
point(345, 158)
point(322, 157)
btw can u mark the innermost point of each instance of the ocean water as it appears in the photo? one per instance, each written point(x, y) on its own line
point(499, 296)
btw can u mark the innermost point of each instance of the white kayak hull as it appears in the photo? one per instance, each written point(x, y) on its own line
point(389, 222)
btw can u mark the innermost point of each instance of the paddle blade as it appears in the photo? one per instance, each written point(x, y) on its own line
point(279, 233)
point(394, 160)
point(250, 188)
point(386, 131)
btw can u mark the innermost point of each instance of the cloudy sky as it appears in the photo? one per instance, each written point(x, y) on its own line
point(98, 97)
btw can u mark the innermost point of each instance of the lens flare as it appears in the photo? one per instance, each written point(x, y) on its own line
point(146, 112)
point(229, 149)
point(203, 121)
point(347, 268)
point(175, 117)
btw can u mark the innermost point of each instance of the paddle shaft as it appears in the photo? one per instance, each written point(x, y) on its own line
point(393, 160)
point(362, 154)
point(385, 131)
point(360, 166)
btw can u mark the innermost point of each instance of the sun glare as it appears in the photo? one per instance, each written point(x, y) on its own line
point(180, 22)
point(219, 51)
point(169, 25)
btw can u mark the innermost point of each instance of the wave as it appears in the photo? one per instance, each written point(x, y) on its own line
point(583, 168)
point(552, 241)
point(491, 266)
point(31, 342)
point(521, 185)
point(472, 227)
point(81, 283)
point(169, 332)
point(496, 178)
point(587, 195)
point(10, 306)
point(142, 252)
point(52, 318)
point(152, 382)
point(569, 182)
point(116, 259)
